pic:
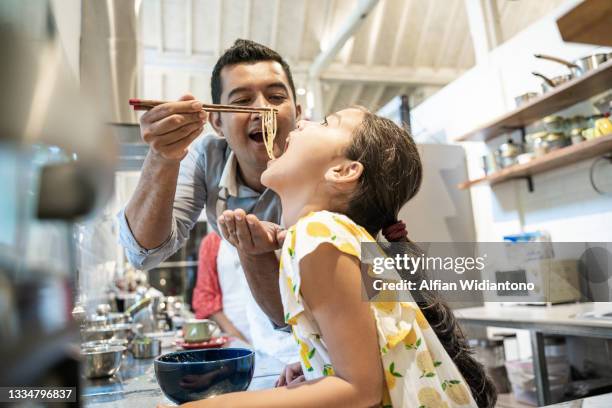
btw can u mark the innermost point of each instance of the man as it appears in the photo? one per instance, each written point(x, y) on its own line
point(220, 172)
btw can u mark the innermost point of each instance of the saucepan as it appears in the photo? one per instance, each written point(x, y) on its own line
point(551, 83)
point(582, 65)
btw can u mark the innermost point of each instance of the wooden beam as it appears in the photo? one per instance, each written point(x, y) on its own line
point(375, 100)
point(425, 28)
point(357, 89)
point(219, 28)
point(389, 75)
point(452, 23)
point(375, 32)
point(330, 97)
point(397, 46)
point(160, 22)
point(188, 27)
point(274, 26)
point(246, 19)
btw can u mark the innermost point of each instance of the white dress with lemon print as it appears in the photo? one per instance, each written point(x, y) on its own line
point(418, 371)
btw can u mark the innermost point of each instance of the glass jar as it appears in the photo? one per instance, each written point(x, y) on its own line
point(576, 135)
point(555, 141)
point(555, 124)
point(536, 143)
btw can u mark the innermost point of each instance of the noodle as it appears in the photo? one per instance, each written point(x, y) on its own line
point(268, 129)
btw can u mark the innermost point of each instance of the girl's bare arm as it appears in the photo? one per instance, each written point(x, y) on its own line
point(331, 286)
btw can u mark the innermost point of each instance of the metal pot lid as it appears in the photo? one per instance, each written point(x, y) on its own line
point(552, 137)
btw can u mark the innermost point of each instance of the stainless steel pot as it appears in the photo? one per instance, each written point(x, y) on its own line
point(146, 347)
point(580, 66)
point(102, 361)
point(96, 333)
point(551, 83)
point(524, 98)
point(507, 153)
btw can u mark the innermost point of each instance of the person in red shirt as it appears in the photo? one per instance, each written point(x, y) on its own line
point(207, 296)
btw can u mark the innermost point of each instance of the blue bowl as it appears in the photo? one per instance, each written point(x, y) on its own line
point(192, 375)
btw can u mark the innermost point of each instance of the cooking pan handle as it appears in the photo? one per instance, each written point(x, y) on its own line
point(545, 78)
point(558, 60)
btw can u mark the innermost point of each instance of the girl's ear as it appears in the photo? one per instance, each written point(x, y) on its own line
point(214, 118)
point(344, 173)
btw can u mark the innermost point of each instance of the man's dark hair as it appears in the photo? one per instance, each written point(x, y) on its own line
point(246, 52)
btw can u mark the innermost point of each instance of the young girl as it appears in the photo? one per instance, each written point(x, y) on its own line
point(340, 182)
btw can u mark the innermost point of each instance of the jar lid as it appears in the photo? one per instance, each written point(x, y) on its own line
point(554, 136)
point(552, 119)
point(576, 131)
point(536, 135)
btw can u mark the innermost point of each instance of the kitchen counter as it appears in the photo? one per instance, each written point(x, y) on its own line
point(599, 401)
point(135, 384)
point(563, 319)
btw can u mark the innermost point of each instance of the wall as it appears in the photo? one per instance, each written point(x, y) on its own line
point(563, 203)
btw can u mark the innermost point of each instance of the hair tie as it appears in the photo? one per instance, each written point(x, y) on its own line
point(395, 232)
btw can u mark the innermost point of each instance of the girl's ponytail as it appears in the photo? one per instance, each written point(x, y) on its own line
point(392, 175)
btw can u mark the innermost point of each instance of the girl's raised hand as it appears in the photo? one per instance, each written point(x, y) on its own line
point(292, 375)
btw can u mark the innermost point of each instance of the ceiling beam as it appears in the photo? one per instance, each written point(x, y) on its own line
point(160, 22)
point(246, 19)
point(330, 97)
point(483, 20)
point(219, 28)
point(452, 25)
point(375, 32)
point(274, 26)
point(348, 28)
point(188, 27)
point(357, 89)
point(383, 74)
point(399, 38)
point(422, 34)
point(375, 100)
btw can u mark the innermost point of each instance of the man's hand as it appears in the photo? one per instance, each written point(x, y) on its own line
point(248, 234)
point(292, 374)
point(170, 128)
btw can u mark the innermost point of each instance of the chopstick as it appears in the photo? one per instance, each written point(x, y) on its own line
point(148, 104)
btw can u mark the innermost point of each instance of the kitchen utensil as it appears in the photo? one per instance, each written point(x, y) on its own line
point(146, 347)
point(551, 83)
point(591, 62)
point(524, 98)
point(102, 361)
point(212, 343)
point(506, 153)
point(534, 143)
point(574, 69)
point(579, 66)
point(125, 330)
point(104, 343)
point(192, 375)
point(554, 124)
point(198, 330)
point(146, 104)
point(556, 141)
point(96, 333)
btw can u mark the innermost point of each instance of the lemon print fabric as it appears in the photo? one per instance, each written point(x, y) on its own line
point(417, 370)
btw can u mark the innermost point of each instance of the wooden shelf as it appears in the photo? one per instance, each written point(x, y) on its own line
point(589, 23)
point(557, 158)
point(561, 97)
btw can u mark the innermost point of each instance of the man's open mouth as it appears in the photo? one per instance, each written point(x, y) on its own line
point(256, 136)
